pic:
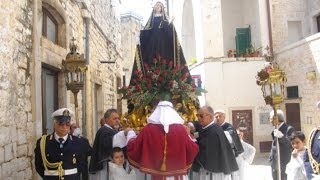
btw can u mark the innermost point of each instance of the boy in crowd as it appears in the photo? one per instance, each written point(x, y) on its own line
point(117, 168)
point(295, 168)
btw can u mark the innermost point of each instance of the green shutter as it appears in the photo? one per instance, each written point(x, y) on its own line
point(243, 40)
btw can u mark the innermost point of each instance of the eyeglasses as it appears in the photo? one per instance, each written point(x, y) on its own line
point(202, 115)
point(63, 123)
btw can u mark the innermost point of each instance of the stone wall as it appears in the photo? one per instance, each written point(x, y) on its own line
point(16, 123)
point(23, 50)
point(297, 60)
point(293, 10)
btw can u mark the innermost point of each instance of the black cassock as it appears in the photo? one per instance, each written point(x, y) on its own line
point(101, 149)
point(215, 153)
point(237, 146)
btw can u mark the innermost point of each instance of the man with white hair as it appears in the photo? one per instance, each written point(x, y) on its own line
point(163, 148)
point(59, 155)
point(232, 135)
point(281, 133)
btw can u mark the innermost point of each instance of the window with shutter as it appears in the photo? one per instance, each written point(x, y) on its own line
point(243, 40)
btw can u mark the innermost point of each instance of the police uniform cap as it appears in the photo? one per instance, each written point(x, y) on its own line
point(62, 115)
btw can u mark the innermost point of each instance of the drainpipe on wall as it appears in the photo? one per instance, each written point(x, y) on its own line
point(86, 93)
point(269, 27)
point(35, 62)
point(36, 71)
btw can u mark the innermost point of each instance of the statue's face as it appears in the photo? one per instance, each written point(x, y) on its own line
point(158, 8)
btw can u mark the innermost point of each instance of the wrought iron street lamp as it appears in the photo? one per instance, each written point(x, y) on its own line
point(74, 68)
point(271, 79)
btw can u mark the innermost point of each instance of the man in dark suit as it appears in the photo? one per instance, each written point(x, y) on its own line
point(280, 134)
point(58, 155)
point(86, 149)
point(234, 139)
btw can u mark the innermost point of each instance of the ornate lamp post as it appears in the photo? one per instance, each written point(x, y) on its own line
point(74, 68)
point(271, 79)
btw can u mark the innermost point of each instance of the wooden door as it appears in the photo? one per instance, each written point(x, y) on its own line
point(293, 115)
point(242, 119)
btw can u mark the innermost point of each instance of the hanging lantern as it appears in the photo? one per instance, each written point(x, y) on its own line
point(74, 68)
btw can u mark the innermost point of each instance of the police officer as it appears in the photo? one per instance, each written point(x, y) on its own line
point(312, 155)
point(58, 156)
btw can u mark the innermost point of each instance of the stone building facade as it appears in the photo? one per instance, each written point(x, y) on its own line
point(35, 37)
point(290, 28)
point(296, 37)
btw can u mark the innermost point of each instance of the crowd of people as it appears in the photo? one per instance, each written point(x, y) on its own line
point(166, 147)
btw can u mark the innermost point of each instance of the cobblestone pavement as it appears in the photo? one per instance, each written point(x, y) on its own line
point(260, 168)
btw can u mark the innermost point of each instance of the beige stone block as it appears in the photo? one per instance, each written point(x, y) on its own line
point(27, 105)
point(21, 164)
point(22, 150)
point(5, 137)
point(31, 147)
point(23, 63)
point(19, 175)
point(21, 79)
point(22, 138)
point(20, 92)
point(28, 173)
point(13, 133)
point(27, 92)
point(10, 151)
point(7, 169)
point(30, 133)
point(22, 120)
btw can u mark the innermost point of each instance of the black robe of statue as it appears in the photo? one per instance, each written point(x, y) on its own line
point(215, 153)
point(102, 147)
point(158, 38)
point(237, 146)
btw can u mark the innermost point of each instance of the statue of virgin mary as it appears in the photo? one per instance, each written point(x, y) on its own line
point(158, 38)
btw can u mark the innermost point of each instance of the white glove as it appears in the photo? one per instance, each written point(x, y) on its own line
point(277, 133)
point(131, 134)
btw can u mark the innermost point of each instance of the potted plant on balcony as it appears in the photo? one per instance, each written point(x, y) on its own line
point(230, 53)
point(253, 52)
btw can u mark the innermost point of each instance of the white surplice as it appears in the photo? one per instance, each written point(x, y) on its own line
point(117, 172)
point(245, 159)
point(295, 168)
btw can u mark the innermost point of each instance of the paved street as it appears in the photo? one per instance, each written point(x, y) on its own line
point(260, 168)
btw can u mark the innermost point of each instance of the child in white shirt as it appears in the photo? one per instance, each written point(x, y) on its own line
point(116, 166)
point(295, 168)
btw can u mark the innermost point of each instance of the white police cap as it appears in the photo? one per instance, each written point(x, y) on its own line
point(62, 115)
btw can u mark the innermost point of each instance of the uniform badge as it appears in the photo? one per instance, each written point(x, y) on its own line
point(74, 160)
point(66, 113)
